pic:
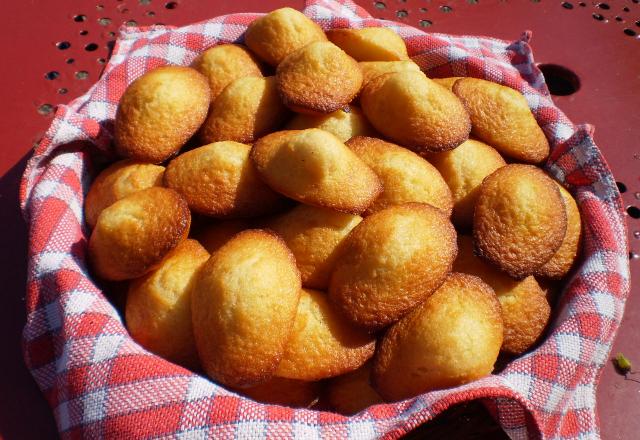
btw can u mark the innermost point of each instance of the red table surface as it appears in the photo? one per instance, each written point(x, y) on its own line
point(598, 41)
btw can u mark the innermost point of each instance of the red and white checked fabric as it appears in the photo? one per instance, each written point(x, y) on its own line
point(100, 383)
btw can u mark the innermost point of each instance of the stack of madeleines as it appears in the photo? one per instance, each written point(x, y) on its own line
point(351, 239)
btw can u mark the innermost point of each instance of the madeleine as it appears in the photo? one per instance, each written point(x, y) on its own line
point(219, 180)
point(117, 181)
point(225, 63)
point(525, 308)
point(463, 169)
point(319, 78)
point(370, 44)
point(159, 112)
point(519, 220)
point(563, 260)
point(452, 338)
point(277, 34)
point(158, 310)
point(500, 116)
point(406, 177)
point(243, 306)
point(393, 260)
point(133, 235)
point(343, 124)
point(413, 111)
point(314, 235)
point(245, 110)
point(312, 166)
point(322, 343)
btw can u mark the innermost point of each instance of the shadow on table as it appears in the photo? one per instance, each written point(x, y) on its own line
point(24, 413)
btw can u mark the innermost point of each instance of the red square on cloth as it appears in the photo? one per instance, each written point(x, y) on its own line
point(101, 383)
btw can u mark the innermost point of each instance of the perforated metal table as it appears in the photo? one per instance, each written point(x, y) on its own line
point(53, 51)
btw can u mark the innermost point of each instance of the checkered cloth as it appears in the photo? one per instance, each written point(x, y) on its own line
point(100, 383)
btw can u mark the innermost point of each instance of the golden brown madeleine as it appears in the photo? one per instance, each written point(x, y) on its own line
point(219, 180)
point(519, 219)
point(313, 235)
point(372, 69)
point(159, 112)
point(406, 177)
point(312, 166)
point(562, 261)
point(247, 109)
point(213, 236)
point(452, 338)
point(464, 168)
point(352, 392)
point(391, 262)
point(501, 117)
point(285, 392)
point(370, 44)
point(158, 311)
point(447, 82)
point(344, 123)
point(225, 63)
point(410, 109)
point(322, 343)
point(244, 305)
point(281, 32)
point(117, 181)
point(319, 78)
point(133, 235)
point(525, 309)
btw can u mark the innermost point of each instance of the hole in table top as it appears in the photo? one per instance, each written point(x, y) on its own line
point(63, 90)
point(101, 61)
point(144, 2)
point(402, 13)
point(633, 256)
point(560, 80)
point(52, 75)
point(638, 23)
point(131, 23)
point(70, 60)
point(604, 6)
point(472, 2)
point(124, 11)
point(636, 234)
point(567, 5)
point(626, 9)
point(598, 16)
point(99, 7)
point(618, 18)
point(80, 18)
point(91, 47)
point(583, 4)
point(45, 109)
point(104, 21)
point(637, 195)
point(379, 5)
point(84, 32)
point(446, 8)
point(63, 45)
point(535, 1)
point(633, 211)
point(150, 14)
point(82, 74)
point(621, 187)
point(629, 32)
point(425, 23)
point(423, 9)
point(111, 34)
point(171, 5)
